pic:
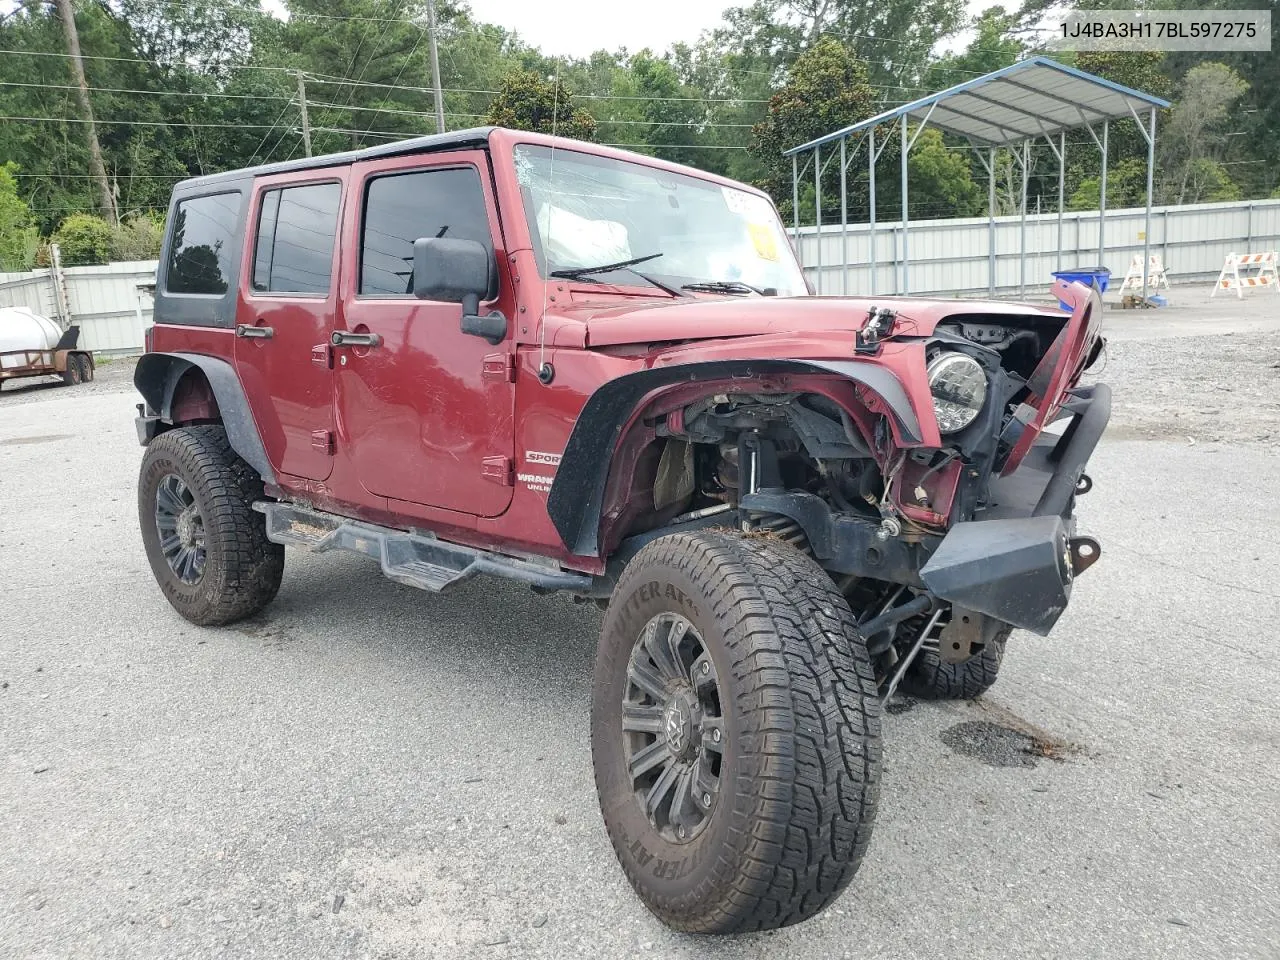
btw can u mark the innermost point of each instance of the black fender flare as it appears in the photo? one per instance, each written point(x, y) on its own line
point(577, 493)
point(157, 376)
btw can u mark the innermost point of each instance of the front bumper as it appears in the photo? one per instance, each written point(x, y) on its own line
point(1018, 562)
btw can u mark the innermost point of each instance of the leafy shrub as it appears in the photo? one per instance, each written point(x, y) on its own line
point(137, 238)
point(83, 240)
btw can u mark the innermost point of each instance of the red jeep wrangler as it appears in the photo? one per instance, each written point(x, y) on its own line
point(594, 372)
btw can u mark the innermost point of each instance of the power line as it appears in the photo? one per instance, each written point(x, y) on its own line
point(159, 63)
point(150, 93)
point(145, 123)
point(327, 79)
point(481, 116)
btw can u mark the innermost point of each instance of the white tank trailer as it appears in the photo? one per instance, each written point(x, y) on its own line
point(34, 346)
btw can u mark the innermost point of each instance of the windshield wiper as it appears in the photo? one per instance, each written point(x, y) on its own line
point(581, 273)
point(728, 286)
point(578, 273)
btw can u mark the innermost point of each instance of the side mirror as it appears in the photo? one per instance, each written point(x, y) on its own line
point(458, 271)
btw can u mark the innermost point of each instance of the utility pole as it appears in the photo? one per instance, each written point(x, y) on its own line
point(435, 65)
point(306, 120)
point(96, 168)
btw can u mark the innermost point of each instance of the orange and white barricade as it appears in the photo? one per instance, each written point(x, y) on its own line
point(1156, 277)
point(1259, 271)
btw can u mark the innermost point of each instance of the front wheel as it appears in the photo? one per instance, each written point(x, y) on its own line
point(207, 547)
point(735, 733)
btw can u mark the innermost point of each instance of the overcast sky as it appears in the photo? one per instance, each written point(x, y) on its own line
point(578, 27)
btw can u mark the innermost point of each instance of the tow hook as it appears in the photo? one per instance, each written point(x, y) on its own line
point(1085, 552)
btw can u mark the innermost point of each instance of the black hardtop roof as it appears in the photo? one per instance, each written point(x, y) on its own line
point(475, 136)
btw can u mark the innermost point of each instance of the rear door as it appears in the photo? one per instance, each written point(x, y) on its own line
point(286, 312)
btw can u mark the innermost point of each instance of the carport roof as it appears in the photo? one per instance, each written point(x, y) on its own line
point(1032, 98)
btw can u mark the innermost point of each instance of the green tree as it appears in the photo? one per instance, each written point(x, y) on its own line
point(993, 46)
point(940, 182)
point(18, 235)
point(1193, 132)
point(826, 89)
point(525, 101)
point(83, 239)
point(894, 37)
point(671, 111)
point(1126, 187)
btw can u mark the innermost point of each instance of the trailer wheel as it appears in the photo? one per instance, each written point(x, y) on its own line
point(71, 375)
point(207, 547)
point(735, 733)
point(86, 367)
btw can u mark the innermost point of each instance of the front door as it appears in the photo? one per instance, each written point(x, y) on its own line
point(286, 310)
point(425, 414)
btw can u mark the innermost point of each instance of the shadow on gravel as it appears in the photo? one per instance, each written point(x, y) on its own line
point(484, 631)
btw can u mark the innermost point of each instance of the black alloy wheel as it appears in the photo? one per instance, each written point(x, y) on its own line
point(673, 726)
point(181, 528)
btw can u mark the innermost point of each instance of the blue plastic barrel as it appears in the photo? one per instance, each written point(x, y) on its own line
point(1096, 277)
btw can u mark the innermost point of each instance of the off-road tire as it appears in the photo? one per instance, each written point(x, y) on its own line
point(86, 367)
point(930, 678)
point(71, 375)
point(242, 569)
point(800, 774)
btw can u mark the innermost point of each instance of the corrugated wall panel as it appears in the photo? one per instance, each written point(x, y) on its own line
point(950, 256)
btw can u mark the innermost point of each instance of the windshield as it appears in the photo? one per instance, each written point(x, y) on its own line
point(587, 211)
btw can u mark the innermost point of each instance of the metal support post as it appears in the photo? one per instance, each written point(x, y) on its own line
point(906, 286)
point(844, 219)
point(1062, 176)
point(1102, 199)
point(1022, 226)
point(1146, 234)
point(795, 199)
point(991, 223)
point(871, 219)
point(817, 218)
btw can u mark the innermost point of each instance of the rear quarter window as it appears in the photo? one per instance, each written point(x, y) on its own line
point(203, 245)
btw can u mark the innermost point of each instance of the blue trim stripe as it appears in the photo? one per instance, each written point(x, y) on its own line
point(1144, 99)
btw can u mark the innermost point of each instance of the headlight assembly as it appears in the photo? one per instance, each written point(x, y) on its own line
point(959, 387)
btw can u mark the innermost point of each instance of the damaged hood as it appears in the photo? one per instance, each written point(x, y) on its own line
point(601, 322)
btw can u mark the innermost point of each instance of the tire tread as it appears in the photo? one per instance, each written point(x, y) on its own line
point(244, 569)
point(806, 690)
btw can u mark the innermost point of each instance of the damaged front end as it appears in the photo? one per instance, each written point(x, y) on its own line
point(978, 535)
point(917, 470)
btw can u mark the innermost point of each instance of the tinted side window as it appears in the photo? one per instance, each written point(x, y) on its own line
point(296, 228)
point(202, 247)
point(403, 207)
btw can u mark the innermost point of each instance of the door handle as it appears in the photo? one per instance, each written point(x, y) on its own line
point(247, 332)
point(341, 338)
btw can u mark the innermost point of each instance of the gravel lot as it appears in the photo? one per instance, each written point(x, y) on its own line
point(367, 771)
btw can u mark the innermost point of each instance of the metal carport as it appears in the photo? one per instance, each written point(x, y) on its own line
point(1019, 104)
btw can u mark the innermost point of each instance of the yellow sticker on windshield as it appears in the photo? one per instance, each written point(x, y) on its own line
point(763, 240)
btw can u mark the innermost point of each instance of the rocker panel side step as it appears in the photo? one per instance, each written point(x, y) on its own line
point(414, 559)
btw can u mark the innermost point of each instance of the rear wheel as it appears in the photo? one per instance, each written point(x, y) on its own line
point(207, 547)
point(86, 367)
point(735, 733)
point(931, 678)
